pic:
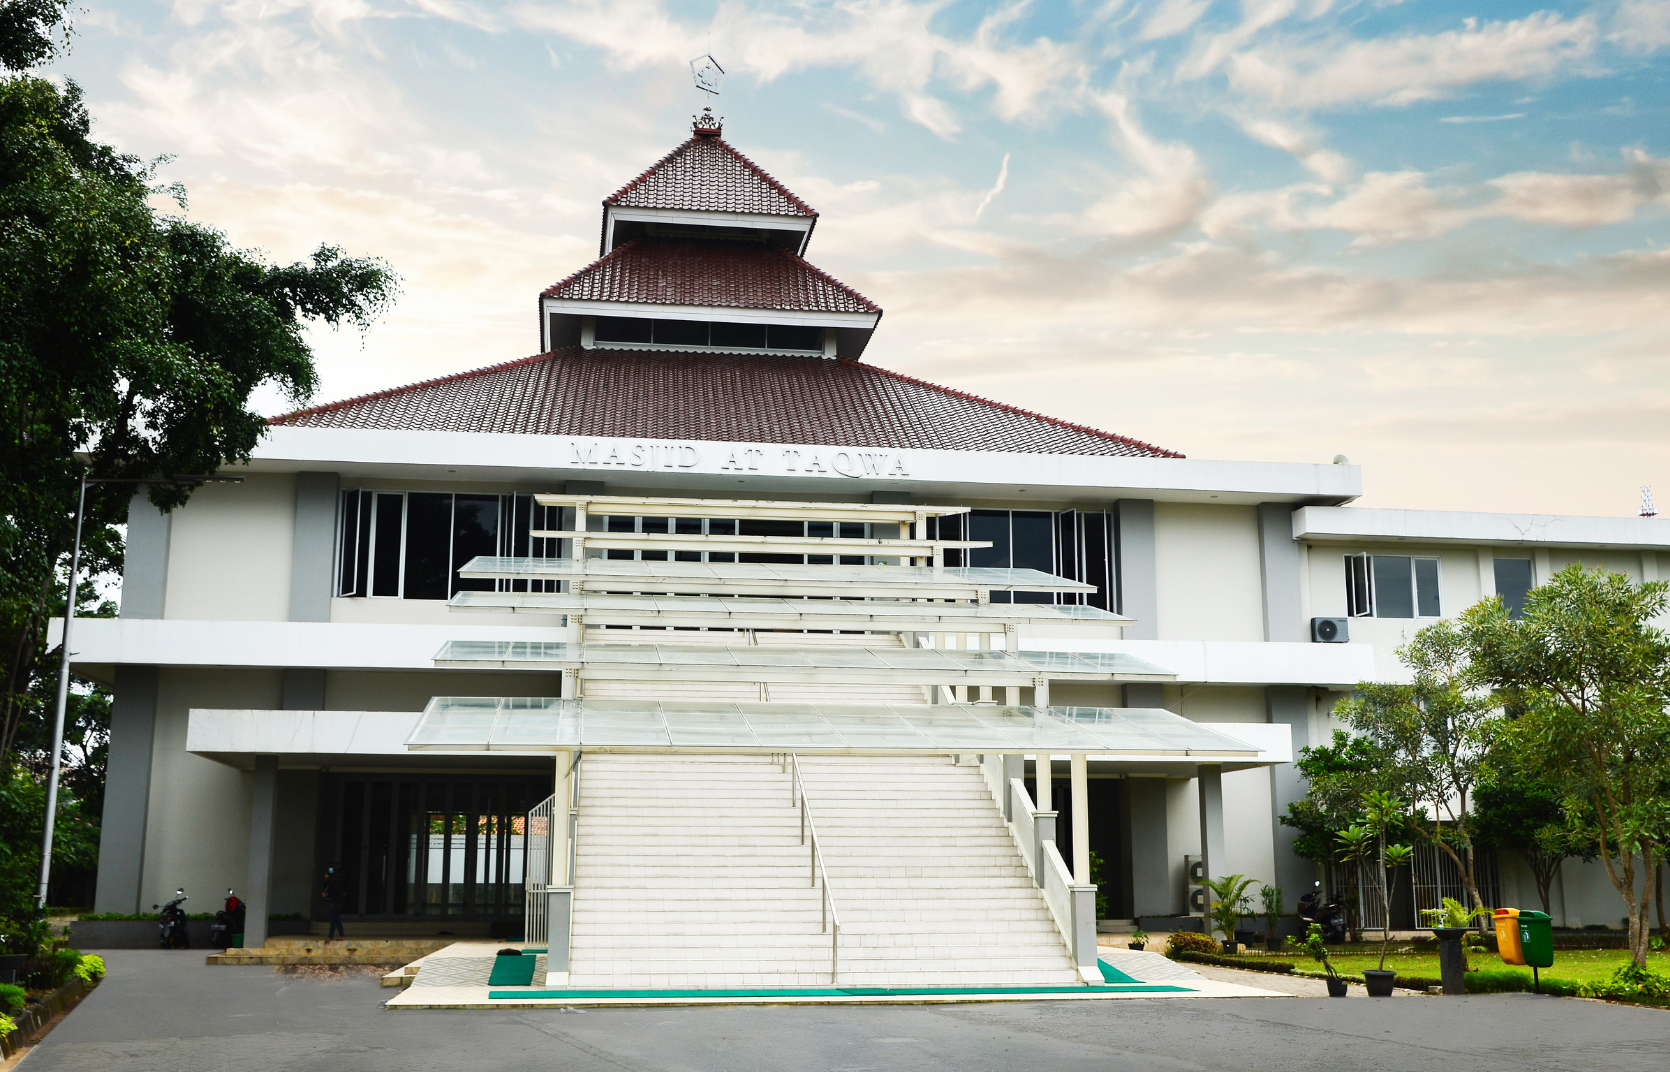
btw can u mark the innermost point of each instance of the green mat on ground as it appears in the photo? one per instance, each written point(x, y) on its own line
point(832, 992)
point(512, 971)
point(1111, 974)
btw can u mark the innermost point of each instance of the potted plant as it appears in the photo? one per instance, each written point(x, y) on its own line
point(1367, 841)
point(1273, 906)
point(1139, 939)
point(1318, 950)
point(1450, 924)
point(1230, 902)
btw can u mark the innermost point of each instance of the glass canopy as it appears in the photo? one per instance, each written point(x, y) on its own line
point(766, 613)
point(781, 578)
point(468, 723)
point(744, 662)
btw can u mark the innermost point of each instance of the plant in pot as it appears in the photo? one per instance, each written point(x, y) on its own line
point(1318, 950)
point(1139, 939)
point(1230, 901)
point(1273, 906)
point(1366, 842)
point(1450, 925)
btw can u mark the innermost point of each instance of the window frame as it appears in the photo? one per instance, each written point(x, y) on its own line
point(1362, 597)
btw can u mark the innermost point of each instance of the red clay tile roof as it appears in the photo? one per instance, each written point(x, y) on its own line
point(706, 174)
point(736, 275)
point(715, 397)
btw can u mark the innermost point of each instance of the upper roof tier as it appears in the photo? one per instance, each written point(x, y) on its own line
point(707, 184)
point(716, 397)
point(695, 273)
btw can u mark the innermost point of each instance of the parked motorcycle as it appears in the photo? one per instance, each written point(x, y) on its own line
point(1330, 915)
point(171, 923)
point(229, 921)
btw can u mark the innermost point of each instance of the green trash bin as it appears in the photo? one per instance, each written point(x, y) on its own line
point(1536, 938)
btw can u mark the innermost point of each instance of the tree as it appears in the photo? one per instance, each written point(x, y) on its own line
point(130, 343)
point(1366, 842)
point(1336, 774)
point(1516, 810)
point(1230, 901)
point(1433, 734)
point(1589, 679)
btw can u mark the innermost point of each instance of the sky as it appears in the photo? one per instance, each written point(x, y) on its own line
point(1431, 235)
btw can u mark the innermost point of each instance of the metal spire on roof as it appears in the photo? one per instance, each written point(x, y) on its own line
point(708, 75)
point(1647, 507)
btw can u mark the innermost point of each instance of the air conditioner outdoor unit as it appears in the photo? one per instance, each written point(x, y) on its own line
point(1329, 631)
point(1194, 878)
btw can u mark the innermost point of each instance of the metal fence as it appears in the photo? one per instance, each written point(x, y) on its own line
point(536, 925)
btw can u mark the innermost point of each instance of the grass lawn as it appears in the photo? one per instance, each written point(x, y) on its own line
point(1570, 965)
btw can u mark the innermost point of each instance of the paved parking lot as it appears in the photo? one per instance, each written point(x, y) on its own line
point(167, 1012)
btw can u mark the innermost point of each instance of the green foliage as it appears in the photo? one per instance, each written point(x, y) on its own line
point(1318, 949)
point(51, 970)
point(1589, 678)
point(12, 998)
point(1097, 879)
point(1230, 901)
point(1632, 982)
point(1365, 843)
point(7, 1025)
point(91, 969)
point(1274, 905)
point(1139, 936)
point(1191, 942)
point(23, 927)
point(1336, 774)
point(26, 32)
point(1453, 914)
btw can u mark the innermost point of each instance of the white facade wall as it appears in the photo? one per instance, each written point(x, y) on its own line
point(1207, 572)
point(230, 551)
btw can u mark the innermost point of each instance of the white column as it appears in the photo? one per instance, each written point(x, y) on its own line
point(1041, 776)
point(1081, 819)
point(1211, 781)
point(1487, 572)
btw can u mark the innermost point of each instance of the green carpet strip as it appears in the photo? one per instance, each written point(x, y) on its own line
point(833, 992)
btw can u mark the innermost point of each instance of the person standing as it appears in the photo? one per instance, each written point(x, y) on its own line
point(334, 893)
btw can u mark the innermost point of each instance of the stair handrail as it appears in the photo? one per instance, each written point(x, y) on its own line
point(573, 813)
point(830, 921)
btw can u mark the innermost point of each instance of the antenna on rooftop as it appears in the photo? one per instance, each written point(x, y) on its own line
point(1647, 507)
point(708, 75)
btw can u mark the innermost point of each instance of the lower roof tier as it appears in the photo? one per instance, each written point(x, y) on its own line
point(504, 724)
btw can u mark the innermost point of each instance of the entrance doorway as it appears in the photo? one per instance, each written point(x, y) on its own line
point(429, 846)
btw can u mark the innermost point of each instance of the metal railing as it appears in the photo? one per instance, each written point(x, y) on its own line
point(540, 871)
point(830, 922)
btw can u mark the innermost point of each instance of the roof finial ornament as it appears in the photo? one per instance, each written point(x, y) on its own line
point(1647, 507)
point(707, 73)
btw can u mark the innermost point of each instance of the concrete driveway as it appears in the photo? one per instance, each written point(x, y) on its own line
point(166, 1012)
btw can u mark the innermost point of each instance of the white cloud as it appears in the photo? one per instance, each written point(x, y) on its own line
point(997, 188)
point(1584, 200)
point(1327, 164)
point(1172, 17)
point(1482, 118)
point(1641, 26)
point(1394, 70)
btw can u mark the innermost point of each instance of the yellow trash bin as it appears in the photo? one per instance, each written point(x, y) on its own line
point(1507, 936)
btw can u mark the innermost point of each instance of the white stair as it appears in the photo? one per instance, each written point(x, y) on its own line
point(931, 888)
point(690, 874)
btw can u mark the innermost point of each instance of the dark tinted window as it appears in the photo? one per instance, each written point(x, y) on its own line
point(1033, 533)
point(655, 524)
point(391, 523)
point(428, 544)
point(475, 532)
point(1426, 587)
point(1513, 583)
point(794, 337)
point(355, 539)
point(990, 525)
point(760, 527)
point(1394, 597)
point(1096, 559)
point(681, 332)
point(745, 335)
point(623, 329)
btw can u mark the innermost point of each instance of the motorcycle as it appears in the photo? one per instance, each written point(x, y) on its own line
point(229, 922)
point(1330, 915)
point(171, 923)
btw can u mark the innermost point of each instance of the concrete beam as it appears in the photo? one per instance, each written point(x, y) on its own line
point(1212, 851)
point(1142, 815)
point(1289, 706)
point(1278, 559)
point(145, 560)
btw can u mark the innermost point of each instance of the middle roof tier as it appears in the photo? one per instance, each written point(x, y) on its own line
point(810, 665)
